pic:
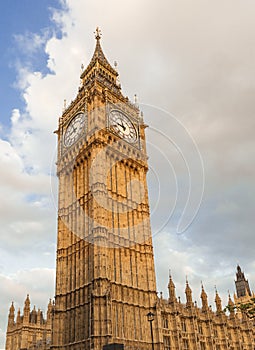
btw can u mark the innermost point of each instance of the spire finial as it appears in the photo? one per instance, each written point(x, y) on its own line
point(98, 33)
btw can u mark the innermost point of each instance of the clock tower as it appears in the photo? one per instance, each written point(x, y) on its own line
point(105, 278)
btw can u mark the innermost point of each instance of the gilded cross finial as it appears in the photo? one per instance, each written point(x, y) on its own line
point(98, 33)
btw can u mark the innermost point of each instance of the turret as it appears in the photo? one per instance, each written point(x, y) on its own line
point(188, 293)
point(18, 319)
point(26, 310)
point(231, 306)
point(39, 317)
point(204, 300)
point(218, 303)
point(171, 290)
point(33, 318)
point(11, 315)
point(49, 312)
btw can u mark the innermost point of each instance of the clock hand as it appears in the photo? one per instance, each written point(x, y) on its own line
point(123, 126)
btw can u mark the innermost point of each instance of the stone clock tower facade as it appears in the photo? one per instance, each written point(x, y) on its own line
point(105, 278)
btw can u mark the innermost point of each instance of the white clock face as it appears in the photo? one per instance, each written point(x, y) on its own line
point(74, 129)
point(122, 125)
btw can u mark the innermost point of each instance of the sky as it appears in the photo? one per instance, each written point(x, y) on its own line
point(191, 64)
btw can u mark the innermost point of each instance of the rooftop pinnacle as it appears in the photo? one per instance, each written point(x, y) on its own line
point(99, 60)
point(98, 33)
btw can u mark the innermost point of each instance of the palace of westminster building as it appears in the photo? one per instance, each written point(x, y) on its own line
point(105, 294)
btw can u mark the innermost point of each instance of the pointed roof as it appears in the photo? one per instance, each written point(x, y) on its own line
point(98, 57)
point(218, 301)
point(203, 293)
point(18, 319)
point(188, 289)
point(203, 296)
point(171, 289)
point(12, 309)
point(231, 306)
point(27, 302)
point(188, 293)
point(230, 301)
point(171, 283)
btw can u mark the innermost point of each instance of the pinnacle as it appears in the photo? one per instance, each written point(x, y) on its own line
point(99, 56)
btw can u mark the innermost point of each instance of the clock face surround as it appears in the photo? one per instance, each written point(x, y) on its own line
point(74, 129)
point(122, 125)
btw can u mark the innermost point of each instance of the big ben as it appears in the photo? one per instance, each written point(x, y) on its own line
point(105, 276)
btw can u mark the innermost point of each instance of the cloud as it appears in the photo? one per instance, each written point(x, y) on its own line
point(29, 43)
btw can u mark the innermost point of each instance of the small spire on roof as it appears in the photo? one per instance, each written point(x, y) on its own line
point(98, 61)
point(98, 33)
point(218, 301)
point(204, 298)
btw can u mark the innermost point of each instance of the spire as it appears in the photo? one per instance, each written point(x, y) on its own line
point(98, 59)
point(33, 315)
point(98, 34)
point(171, 290)
point(230, 302)
point(11, 315)
point(39, 316)
point(27, 309)
point(204, 299)
point(231, 306)
point(50, 306)
point(12, 309)
point(218, 302)
point(49, 312)
point(18, 319)
point(27, 302)
point(188, 293)
point(98, 53)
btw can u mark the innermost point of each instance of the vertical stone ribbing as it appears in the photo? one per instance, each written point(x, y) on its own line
point(105, 270)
